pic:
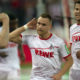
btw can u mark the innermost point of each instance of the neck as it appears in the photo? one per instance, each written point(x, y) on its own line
point(45, 36)
point(78, 22)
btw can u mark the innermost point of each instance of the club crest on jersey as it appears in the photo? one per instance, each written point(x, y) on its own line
point(51, 47)
point(44, 54)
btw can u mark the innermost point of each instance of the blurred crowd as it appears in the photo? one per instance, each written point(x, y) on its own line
point(27, 9)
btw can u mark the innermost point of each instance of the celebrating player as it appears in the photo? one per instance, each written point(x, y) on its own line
point(10, 65)
point(47, 50)
point(75, 44)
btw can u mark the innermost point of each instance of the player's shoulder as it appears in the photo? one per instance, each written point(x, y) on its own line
point(57, 38)
point(73, 26)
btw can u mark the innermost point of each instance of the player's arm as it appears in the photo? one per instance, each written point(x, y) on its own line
point(4, 34)
point(68, 61)
point(64, 69)
point(16, 39)
point(69, 46)
point(31, 25)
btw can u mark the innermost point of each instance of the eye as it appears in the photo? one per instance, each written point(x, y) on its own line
point(77, 9)
point(44, 24)
point(38, 23)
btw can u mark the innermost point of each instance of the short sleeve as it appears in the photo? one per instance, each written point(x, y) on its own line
point(24, 39)
point(64, 50)
point(27, 39)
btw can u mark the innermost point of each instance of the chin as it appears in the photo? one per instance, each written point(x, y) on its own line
point(40, 34)
point(78, 20)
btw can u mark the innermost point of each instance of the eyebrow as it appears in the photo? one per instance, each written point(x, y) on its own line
point(42, 23)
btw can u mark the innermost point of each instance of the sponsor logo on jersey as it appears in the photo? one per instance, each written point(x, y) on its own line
point(75, 38)
point(44, 54)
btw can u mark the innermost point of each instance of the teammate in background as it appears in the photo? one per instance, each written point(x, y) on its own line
point(4, 34)
point(75, 44)
point(14, 23)
point(10, 65)
point(47, 50)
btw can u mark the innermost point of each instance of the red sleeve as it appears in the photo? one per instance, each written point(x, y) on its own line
point(67, 56)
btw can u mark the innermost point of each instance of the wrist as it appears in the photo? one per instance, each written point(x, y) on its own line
point(25, 27)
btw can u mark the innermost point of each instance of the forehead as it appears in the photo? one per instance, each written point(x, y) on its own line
point(77, 5)
point(43, 20)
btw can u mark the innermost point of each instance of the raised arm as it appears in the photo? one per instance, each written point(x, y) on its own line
point(31, 25)
point(4, 34)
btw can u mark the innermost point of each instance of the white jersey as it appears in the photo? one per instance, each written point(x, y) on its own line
point(46, 54)
point(75, 41)
point(12, 60)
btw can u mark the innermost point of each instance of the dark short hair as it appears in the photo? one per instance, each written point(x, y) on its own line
point(45, 15)
point(12, 16)
point(76, 2)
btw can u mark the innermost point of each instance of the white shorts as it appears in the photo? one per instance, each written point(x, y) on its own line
point(74, 74)
point(10, 75)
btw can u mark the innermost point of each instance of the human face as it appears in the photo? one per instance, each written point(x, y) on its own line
point(77, 12)
point(43, 26)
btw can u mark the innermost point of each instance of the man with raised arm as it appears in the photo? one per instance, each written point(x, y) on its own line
point(47, 49)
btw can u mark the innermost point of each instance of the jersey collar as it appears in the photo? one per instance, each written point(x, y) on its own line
point(46, 38)
point(78, 24)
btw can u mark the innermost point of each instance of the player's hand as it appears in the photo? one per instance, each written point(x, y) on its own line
point(4, 16)
point(78, 54)
point(56, 77)
point(32, 24)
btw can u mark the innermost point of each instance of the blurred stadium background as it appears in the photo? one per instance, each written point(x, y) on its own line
point(61, 12)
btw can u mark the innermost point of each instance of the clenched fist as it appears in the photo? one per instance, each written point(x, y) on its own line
point(4, 16)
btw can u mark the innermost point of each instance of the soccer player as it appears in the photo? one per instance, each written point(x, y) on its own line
point(10, 65)
point(47, 50)
point(75, 44)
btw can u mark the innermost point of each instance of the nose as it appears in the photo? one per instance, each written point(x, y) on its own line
point(78, 11)
point(40, 26)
